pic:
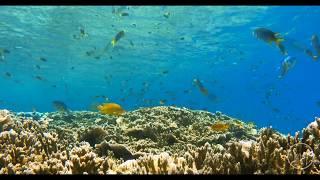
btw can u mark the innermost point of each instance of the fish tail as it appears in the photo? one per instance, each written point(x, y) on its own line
point(282, 48)
point(315, 58)
point(107, 47)
point(113, 42)
point(279, 40)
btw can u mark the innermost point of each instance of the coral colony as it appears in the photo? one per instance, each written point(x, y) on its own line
point(158, 140)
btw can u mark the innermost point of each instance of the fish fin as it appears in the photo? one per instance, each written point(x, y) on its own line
point(278, 35)
point(279, 38)
point(94, 107)
point(280, 76)
point(284, 33)
point(107, 47)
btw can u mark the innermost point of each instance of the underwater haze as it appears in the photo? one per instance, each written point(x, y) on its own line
point(198, 57)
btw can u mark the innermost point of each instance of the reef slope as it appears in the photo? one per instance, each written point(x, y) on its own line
point(158, 140)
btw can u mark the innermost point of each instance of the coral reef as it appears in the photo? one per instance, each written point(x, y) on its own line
point(158, 140)
point(5, 119)
point(118, 150)
point(93, 135)
point(313, 130)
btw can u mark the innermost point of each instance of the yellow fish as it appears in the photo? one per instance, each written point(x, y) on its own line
point(111, 109)
point(268, 35)
point(117, 38)
point(219, 127)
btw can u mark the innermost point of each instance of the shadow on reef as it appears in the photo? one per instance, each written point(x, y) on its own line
point(158, 140)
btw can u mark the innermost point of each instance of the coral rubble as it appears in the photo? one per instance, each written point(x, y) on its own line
point(158, 140)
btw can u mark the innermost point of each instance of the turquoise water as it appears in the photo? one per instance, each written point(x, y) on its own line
point(164, 49)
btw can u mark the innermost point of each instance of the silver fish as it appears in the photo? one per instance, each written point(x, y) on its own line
point(287, 64)
point(315, 43)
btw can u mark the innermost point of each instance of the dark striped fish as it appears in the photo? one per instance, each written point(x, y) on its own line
point(60, 106)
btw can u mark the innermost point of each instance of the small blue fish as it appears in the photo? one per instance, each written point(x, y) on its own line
point(287, 64)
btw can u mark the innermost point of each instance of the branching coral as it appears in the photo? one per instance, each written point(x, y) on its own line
point(156, 164)
point(312, 131)
point(28, 149)
point(118, 150)
point(93, 135)
point(5, 118)
point(153, 141)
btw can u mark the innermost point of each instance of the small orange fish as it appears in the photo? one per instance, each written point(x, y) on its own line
point(111, 109)
point(220, 127)
point(117, 38)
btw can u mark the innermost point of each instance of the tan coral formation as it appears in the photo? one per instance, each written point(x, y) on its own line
point(93, 135)
point(34, 152)
point(5, 119)
point(313, 130)
point(182, 146)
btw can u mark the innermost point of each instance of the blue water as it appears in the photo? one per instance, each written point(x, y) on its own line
point(211, 43)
